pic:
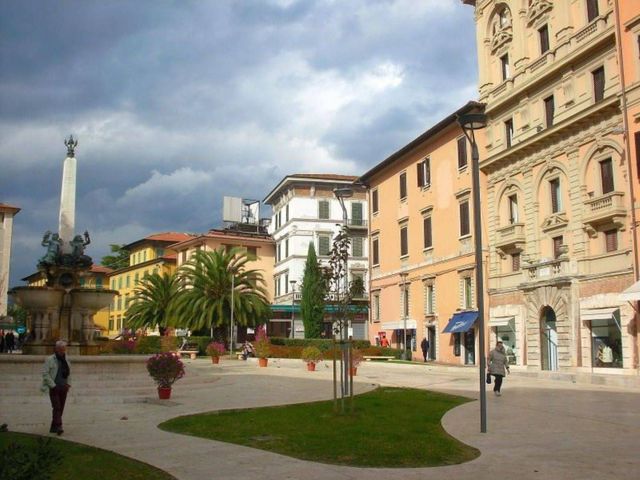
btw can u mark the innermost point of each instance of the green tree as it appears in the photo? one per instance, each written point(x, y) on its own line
point(313, 293)
point(119, 259)
point(152, 301)
point(205, 301)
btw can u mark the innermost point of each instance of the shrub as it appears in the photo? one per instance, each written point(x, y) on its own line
point(215, 349)
point(165, 368)
point(321, 343)
point(168, 344)
point(262, 345)
point(148, 345)
point(356, 357)
point(20, 462)
point(311, 355)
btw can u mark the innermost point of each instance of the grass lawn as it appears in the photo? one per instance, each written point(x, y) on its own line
point(81, 462)
point(391, 427)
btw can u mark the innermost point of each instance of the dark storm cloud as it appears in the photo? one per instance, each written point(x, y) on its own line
point(180, 103)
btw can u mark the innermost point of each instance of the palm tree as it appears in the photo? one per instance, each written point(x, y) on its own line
point(205, 301)
point(152, 300)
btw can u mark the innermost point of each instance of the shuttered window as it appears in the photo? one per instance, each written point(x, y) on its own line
point(357, 245)
point(324, 245)
point(287, 213)
point(403, 185)
point(286, 248)
point(374, 201)
point(428, 241)
point(592, 10)
point(424, 173)
point(323, 209)
point(598, 84)
point(404, 241)
point(356, 213)
point(464, 219)
point(544, 39)
point(375, 244)
point(554, 186)
point(557, 243)
point(549, 110)
point(606, 175)
point(611, 240)
point(462, 152)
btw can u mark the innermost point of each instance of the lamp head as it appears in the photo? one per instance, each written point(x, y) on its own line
point(472, 121)
point(343, 192)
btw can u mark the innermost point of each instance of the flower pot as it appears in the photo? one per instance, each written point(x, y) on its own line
point(164, 393)
point(263, 362)
point(353, 371)
point(311, 367)
point(215, 359)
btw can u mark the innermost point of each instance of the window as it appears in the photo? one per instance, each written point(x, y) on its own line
point(375, 244)
point(462, 153)
point(543, 33)
point(508, 132)
point(279, 252)
point(357, 279)
point(82, 282)
point(424, 173)
point(504, 65)
point(323, 209)
point(426, 227)
point(252, 253)
point(287, 213)
point(403, 185)
point(113, 284)
point(598, 84)
point(549, 109)
point(277, 286)
point(286, 248)
point(556, 196)
point(515, 262)
point(557, 243)
point(429, 299)
point(636, 139)
point(374, 201)
point(358, 246)
point(128, 281)
point(467, 293)
point(119, 282)
point(144, 256)
point(404, 240)
point(286, 283)
point(324, 244)
point(356, 214)
point(456, 344)
point(136, 277)
point(159, 252)
point(606, 175)
point(119, 303)
point(611, 240)
point(464, 218)
point(98, 282)
point(592, 10)
point(513, 209)
point(376, 307)
point(110, 323)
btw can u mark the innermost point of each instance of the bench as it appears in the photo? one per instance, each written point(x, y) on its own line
point(369, 358)
point(190, 349)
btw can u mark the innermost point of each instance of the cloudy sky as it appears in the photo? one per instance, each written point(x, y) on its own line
point(178, 103)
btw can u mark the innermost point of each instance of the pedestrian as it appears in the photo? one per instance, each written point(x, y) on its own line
point(1, 341)
point(9, 341)
point(56, 379)
point(498, 366)
point(424, 345)
point(384, 342)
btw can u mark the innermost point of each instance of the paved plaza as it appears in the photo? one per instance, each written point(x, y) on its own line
point(539, 429)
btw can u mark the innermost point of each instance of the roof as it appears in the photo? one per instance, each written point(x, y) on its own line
point(434, 130)
point(311, 178)
point(94, 269)
point(100, 269)
point(218, 233)
point(6, 207)
point(168, 237)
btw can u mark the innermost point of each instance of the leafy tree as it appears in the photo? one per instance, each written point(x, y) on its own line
point(18, 313)
point(313, 292)
point(205, 301)
point(152, 300)
point(119, 259)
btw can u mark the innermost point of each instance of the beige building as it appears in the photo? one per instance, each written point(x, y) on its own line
point(559, 205)
point(422, 263)
point(7, 212)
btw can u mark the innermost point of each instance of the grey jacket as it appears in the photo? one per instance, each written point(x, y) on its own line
point(49, 372)
point(498, 363)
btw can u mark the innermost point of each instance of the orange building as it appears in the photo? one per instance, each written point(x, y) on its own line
point(421, 257)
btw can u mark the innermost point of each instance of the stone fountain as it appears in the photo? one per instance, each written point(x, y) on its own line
point(62, 310)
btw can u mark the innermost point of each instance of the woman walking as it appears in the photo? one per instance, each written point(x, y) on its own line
point(498, 366)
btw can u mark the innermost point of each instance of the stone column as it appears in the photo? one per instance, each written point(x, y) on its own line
point(67, 221)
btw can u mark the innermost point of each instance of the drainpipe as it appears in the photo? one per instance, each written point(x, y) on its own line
point(627, 141)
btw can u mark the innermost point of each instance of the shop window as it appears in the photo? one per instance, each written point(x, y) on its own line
point(456, 344)
point(403, 185)
point(464, 219)
point(606, 176)
point(598, 84)
point(462, 153)
point(606, 346)
point(611, 240)
point(543, 34)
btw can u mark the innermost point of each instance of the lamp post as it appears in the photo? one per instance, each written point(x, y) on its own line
point(233, 279)
point(293, 315)
point(471, 122)
point(403, 280)
point(341, 194)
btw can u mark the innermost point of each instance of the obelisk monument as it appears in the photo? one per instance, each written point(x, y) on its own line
point(67, 221)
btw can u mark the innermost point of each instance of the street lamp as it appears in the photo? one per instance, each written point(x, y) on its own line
point(403, 279)
point(471, 122)
point(293, 315)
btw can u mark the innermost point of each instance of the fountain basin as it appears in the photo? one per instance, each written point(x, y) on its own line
point(38, 297)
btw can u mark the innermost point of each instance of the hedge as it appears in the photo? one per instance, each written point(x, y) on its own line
point(282, 351)
point(321, 343)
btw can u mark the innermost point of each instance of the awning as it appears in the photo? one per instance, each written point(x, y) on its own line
point(631, 294)
point(501, 321)
point(591, 314)
point(461, 322)
point(399, 325)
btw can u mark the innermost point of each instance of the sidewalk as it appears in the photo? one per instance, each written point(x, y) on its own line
point(538, 429)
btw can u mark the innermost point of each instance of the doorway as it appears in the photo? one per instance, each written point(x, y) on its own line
point(549, 339)
point(469, 347)
point(431, 336)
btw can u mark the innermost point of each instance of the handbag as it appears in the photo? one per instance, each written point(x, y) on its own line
point(488, 378)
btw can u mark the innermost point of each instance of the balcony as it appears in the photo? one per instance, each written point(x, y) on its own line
point(510, 237)
point(357, 224)
point(547, 269)
point(608, 209)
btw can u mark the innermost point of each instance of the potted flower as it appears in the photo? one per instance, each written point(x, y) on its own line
point(215, 350)
point(356, 359)
point(262, 346)
point(311, 356)
point(165, 369)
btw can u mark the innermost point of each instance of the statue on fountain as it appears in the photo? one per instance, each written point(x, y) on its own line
point(77, 250)
point(54, 245)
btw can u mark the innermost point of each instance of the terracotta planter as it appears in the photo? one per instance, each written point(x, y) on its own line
point(164, 393)
point(263, 362)
point(311, 367)
point(353, 371)
point(215, 359)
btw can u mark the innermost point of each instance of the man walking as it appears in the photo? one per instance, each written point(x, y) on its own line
point(56, 379)
point(424, 345)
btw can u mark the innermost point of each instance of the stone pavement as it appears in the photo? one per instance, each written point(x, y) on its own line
point(539, 429)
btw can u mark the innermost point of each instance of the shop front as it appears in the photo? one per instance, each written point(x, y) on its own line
point(461, 326)
point(504, 329)
point(606, 336)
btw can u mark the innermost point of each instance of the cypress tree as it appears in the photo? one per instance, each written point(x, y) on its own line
point(313, 292)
